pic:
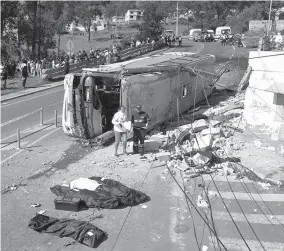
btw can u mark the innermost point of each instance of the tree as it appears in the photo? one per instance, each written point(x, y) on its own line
point(86, 12)
point(154, 15)
point(240, 23)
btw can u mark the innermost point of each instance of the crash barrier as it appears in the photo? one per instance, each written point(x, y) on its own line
point(135, 51)
point(41, 120)
point(123, 55)
point(50, 73)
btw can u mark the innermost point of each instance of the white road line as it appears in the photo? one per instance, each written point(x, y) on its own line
point(239, 245)
point(199, 50)
point(28, 129)
point(245, 196)
point(252, 218)
point(29, 145)
point(18, 118)
point(219, 178)
point(31, 98)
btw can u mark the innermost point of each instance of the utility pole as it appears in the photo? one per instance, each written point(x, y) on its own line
point(116, 23)
point(177, 21)
point(270, 9)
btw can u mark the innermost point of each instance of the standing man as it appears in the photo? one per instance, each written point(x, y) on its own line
point(140, 121)
point(24, 73)
point(66, 65)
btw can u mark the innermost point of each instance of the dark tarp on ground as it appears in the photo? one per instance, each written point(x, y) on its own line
point(81, 231)
point(111, 194)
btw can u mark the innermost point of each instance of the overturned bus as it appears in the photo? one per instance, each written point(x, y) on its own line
point(164, 85)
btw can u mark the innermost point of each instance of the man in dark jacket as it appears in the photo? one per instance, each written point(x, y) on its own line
point(24, 73)
point(140, 121)
point(66, 66)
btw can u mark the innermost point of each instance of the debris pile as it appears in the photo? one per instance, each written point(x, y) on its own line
point(206, 146)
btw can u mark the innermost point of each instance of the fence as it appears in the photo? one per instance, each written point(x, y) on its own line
point(41, 123)
point(123, 55)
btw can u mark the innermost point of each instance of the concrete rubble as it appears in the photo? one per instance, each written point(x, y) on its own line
point(208, 144)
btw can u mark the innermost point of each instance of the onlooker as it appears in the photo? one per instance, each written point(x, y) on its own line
point(66, 66)
point(33, 69)
point(24, 73)
point(4, 76)
point(140, 121)
point(39, 68)
point(120, 131)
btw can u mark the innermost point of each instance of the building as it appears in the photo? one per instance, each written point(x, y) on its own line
point(264, 101)
point(133, 16)
point(118, 19)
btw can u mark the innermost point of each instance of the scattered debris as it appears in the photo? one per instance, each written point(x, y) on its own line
point(204, 248)
point(179, 209)
point(264, 186)
point(201, 202)
point(199, 125)
point(42, 211)
point(35, 205)
point(202, 158)
point(203, 143)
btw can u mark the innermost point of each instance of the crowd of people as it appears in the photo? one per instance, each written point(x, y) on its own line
point(170, 39)
point(34, 68)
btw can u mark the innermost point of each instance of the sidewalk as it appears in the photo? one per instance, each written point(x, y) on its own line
point(34, 85)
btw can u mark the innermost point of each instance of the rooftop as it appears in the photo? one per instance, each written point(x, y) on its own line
point(162, 61)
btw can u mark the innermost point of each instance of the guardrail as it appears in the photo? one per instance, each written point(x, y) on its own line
point(41, 122)
point(128, 53)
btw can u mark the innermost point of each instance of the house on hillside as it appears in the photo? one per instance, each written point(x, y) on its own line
point(133, 16)
point(100, 23)
point(118, 19)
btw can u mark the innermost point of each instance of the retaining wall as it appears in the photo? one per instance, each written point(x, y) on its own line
point(264, 100)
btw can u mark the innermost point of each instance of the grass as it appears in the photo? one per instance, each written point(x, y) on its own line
point(99, 39)
point(251, 39)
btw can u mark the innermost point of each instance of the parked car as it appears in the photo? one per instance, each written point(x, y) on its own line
point(192, 33)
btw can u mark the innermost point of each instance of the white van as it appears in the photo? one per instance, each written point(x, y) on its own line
point(192, 33)
point(221, 29)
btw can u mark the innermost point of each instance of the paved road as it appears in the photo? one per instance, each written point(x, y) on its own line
point(13, 110)
point(51, 99)
point(166, 223)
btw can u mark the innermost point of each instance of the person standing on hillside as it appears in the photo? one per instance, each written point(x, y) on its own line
point(140, 121)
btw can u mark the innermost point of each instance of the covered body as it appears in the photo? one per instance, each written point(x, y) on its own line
point(164, 85)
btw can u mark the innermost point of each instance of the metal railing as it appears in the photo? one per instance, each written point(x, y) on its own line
point(41, 123)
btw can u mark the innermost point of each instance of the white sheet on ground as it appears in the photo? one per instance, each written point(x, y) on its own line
point(84, 183)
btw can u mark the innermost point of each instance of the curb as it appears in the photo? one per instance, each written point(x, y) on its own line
point(3, 99)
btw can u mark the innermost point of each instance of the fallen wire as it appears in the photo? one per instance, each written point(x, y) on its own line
point(128, 213)
point(211, 215)
point(238, 204)
point(193, 205)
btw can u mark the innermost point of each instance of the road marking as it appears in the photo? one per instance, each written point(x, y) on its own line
point(201, 48)
point(245, 196)
point(28, 129)
point(239, 245)
point(219, 178)
point(32, 98)
point(29, 145)
point(18, 118)
point(252, 218)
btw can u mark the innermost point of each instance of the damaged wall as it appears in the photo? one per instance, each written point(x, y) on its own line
point(264, 100)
